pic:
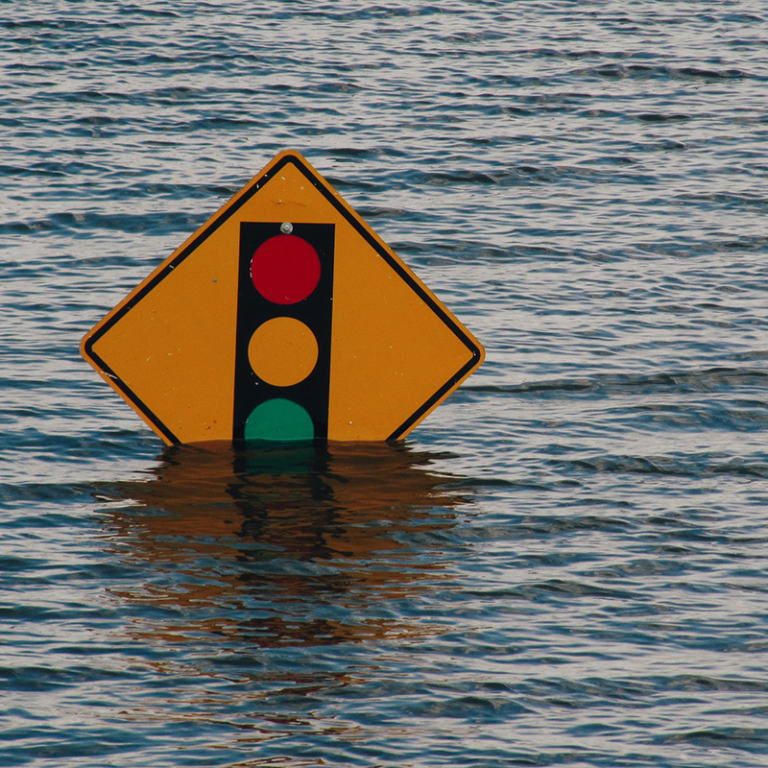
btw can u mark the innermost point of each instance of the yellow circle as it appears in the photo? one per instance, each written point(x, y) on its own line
point(282, 351)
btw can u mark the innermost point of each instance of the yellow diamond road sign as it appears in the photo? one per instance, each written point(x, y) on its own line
point(284, 317)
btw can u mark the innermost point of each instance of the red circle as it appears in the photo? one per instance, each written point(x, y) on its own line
point(285, 269)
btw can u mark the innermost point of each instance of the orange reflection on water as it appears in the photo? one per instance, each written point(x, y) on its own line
point(286, 546)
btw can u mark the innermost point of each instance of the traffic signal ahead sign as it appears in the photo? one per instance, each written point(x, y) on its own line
point(284, 317)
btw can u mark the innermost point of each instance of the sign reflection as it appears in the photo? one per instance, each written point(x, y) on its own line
point(287, 546)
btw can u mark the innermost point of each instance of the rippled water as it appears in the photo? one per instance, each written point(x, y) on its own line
point(565, 564)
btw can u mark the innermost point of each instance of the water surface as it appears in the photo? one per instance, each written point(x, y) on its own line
point(565, 564)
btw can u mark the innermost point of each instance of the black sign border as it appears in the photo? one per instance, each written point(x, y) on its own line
point(353, 220)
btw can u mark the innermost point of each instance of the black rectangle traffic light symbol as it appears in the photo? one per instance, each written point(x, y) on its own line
point(283, 338)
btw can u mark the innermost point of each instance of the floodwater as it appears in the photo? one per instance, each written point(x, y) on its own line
point(566, 563)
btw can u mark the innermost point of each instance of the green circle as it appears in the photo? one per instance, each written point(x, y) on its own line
point(279, 420)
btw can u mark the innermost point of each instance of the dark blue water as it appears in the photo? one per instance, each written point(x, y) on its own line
point(567, 563)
